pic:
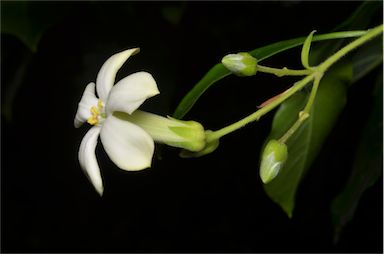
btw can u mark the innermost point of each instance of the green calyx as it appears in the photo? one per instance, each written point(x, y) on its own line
point(272, 161)
point(241, 64)
point(209, 147)
point(191, 133)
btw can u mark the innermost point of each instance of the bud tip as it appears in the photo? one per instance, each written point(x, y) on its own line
point(272, 161)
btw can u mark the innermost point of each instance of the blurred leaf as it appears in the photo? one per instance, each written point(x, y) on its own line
point(304, 145)
point(173, 14)
point(359, 20)
point(13, 85)
point(367, 58)
point(26, 21)
point(29, 20)
point(367, 165)
point(218, 71)
point(364, 61)
point(362, 17)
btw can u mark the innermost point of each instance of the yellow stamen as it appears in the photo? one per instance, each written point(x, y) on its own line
point(92, 120)
point(100, 104)
point(95, 112)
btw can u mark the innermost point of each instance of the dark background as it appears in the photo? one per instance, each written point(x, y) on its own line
point(211, 204)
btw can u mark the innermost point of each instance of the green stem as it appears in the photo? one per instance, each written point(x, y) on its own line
point(320, 70)
point(351, 46)
point(314, 74)
point(312, 96)
point(283, 72)
point(258, 114)
point(218, 71)
point(303, 115)
point(290, 132)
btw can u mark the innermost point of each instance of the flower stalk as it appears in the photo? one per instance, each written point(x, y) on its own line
point(283, 72)
point(313, 74)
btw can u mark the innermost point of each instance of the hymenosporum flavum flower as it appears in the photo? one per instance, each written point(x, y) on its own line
point(241, 64)
point(127, 134)
point(272, 160)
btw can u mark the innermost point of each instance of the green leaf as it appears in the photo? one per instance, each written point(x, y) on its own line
point(304, 145)
point(367, 58)
point(362, 17)
point(218, 71)
point(364, 61)
point(367, 166)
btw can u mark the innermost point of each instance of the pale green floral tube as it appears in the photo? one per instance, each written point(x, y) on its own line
point(188, 135)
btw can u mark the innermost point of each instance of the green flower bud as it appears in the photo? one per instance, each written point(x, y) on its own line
point(274, 156)
point(241, 64)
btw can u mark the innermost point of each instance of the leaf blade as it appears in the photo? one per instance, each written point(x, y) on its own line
point(367, 166)
point(355, 69)
point(306, 142)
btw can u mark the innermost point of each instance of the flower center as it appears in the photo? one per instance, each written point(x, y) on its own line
point(96, 112)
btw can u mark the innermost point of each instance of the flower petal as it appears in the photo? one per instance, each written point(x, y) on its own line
point(88, 100)
point(126, 144)
point(87, 158)
point(106, 76)
point(129, 93)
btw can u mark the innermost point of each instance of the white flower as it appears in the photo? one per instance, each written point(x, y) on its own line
point(127, 144)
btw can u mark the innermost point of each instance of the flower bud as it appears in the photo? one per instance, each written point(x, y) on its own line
point(241, 64)
point(273, 158)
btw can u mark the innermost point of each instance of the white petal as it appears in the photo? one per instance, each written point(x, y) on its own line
point(126, 144)
point(106, 76)
point(87, 158)
point(87, 101)
point(129, 93)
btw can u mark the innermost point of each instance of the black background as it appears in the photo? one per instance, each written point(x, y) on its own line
point(211, 204)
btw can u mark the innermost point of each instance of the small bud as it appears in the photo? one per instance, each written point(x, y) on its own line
point(241, 64)
point(274, 156)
